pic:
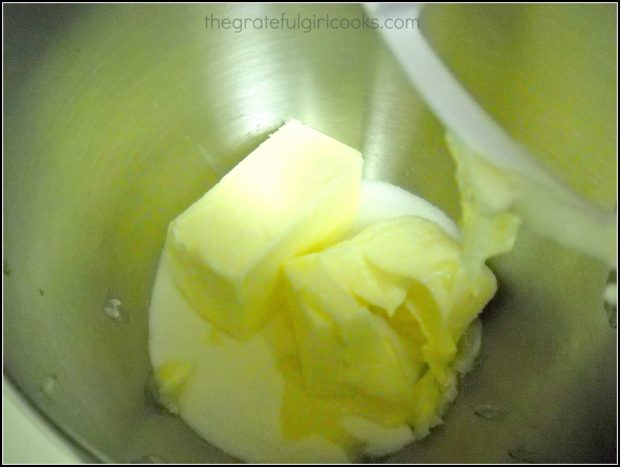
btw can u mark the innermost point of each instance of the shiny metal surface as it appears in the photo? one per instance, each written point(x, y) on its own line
point(118, 116)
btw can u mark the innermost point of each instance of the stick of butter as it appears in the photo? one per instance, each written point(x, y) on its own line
point(298, 191)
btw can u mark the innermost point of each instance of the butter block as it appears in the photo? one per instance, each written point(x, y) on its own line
point(382, 313)
point(345, 349)
point(297, 192)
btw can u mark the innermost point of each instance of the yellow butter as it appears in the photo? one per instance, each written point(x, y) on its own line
point(369, 334)
point(381, 315)
point(296, 192)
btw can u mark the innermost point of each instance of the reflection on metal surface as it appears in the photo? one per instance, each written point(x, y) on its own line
point(160, 77)
point(522, 454)
point(610, 297)
point(49, 385)
point(113, 309)
point(367, 459)
point(148, 459)
point(490, 412)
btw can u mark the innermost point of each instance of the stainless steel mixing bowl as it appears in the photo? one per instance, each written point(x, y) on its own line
point(118, 116)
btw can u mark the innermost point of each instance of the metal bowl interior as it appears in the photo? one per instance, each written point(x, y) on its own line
point(118, 116)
